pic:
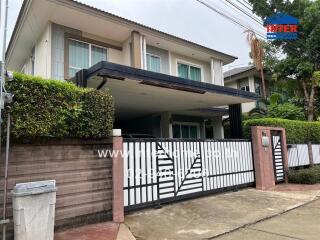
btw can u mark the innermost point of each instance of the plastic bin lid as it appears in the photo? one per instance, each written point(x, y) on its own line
point(31, 188)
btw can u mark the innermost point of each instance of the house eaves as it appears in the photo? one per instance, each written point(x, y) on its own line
point(226, 58)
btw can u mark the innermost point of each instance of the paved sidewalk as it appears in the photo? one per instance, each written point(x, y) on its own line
point(208, 217)
point(101, 231)
point(302, 223)
point(228, 216)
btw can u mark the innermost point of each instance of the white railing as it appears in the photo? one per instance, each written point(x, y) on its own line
point(298, 155)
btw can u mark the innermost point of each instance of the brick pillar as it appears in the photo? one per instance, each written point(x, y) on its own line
point(136, 51)
point(117, 177)
point(263, 159)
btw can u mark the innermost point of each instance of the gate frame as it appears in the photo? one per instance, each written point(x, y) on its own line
point(159, 202)
point(263, 156)
point(276, 133)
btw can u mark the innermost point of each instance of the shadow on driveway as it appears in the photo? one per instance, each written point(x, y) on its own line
point(208, 217)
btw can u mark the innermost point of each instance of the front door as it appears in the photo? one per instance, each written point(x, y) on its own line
point(277, 154)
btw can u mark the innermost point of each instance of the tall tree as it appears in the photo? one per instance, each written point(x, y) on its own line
point(301, 61)
point(257, 54)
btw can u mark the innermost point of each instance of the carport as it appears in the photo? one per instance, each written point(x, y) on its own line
point(139, 93)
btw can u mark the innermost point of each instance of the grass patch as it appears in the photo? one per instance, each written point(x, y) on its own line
point(305, 176)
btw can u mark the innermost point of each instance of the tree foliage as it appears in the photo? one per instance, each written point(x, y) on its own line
point(301, 61)
point(277, 107)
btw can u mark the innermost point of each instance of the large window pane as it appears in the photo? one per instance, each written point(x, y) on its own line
point(153, 63)
point(98, 54)
point(195, 73)
point(193, 132)
point(73, 71)
point(183, 70)
point(78, 55)
point(185, 131)
point(176, 131)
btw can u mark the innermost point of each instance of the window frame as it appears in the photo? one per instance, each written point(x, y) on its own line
point(197, 125)
point(153, 55)
point(244, 83)
point(74, 37)
point(190, 64)
point(256, 84)
point(89, 52)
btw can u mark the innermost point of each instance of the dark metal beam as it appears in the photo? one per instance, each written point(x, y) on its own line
point(235, 115)
point(81, 79)
point(103, 82)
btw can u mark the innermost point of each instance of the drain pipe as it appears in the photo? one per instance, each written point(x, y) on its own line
point(6, 221)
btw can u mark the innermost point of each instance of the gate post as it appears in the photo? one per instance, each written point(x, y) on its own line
point(117, 177)
point(263, 156)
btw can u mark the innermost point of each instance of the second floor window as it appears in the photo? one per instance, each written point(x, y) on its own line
point(189, 72)
point(257, 88)
point(244, 86)
point(153, 63)
point(84, 55)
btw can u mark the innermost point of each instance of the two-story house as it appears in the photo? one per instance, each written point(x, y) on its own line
point(163, 85)
point(247, 79)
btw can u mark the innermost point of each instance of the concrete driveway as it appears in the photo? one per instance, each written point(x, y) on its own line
point(300, 223)
point(209, 217)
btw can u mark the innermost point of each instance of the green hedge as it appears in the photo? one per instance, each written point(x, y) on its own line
point(51, 108)
point(296, 131)
point(305, 176)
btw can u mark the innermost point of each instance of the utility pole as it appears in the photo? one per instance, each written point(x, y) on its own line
point(4, 221)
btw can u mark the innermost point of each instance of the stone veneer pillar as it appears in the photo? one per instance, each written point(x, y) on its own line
point(263, 159)
point(136, 50)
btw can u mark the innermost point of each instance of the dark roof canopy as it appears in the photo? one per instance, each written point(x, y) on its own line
point(121, 72)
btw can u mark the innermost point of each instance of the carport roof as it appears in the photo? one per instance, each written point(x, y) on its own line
point(121, 72)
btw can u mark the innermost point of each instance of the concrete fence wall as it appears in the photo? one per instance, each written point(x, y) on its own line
point(84, 180)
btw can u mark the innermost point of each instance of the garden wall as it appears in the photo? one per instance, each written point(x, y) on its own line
point(84, 180)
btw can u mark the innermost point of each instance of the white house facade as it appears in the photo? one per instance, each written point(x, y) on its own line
point(163, 85)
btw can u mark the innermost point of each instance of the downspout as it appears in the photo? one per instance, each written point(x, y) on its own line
point(3, 75)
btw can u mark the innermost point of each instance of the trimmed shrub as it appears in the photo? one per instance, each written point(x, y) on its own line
point(296, 131)
point(305, 176)
point(51, 108)
point(286, 111)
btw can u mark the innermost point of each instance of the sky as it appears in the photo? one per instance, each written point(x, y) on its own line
point(188, 19)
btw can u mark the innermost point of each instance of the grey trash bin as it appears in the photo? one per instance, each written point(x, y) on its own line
point(34, 210)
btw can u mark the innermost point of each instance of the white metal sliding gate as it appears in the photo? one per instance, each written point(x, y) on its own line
point(165, 170)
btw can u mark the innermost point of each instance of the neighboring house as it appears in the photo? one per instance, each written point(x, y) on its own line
point(247, 79)
point(162, 85)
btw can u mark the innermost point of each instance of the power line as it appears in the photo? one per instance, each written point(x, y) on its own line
point(235, 21)
point(245, 5)
point(245, 12)
point(247, 2)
